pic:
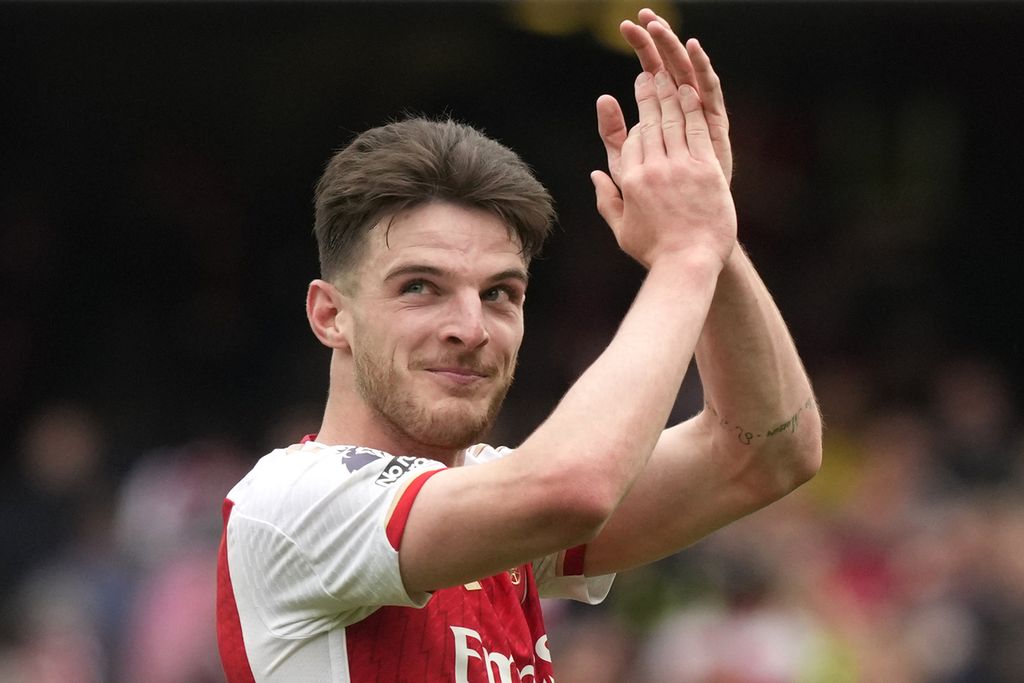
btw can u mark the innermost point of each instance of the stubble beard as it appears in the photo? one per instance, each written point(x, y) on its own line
point(410, 416)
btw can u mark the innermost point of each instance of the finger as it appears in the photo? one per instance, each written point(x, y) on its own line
point(697, 137)
point(647, 15)
point(632, 151)
point(650, 117)
point(673, 128)
point(709, 86)
point(640, 40)
point(611, 126)
point(672, 52)
point(609, 201)
point(706, 80)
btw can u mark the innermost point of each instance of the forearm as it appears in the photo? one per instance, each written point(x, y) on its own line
point(755, 384)
point(610, 420)
point(757, 440)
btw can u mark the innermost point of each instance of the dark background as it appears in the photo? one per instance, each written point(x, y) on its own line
point(158, 160)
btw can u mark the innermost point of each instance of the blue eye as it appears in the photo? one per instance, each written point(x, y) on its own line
point(414, 287)
point(502, 293)
point(494, 294)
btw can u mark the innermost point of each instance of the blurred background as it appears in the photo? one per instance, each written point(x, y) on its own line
point(156, 171)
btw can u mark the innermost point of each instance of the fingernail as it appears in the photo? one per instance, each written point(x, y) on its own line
point(643, 78)
point(661, 78)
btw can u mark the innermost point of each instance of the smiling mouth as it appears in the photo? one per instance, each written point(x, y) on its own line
point(458, 375)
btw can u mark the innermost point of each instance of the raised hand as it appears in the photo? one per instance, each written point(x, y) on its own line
point(659, 48)
point(667, 193)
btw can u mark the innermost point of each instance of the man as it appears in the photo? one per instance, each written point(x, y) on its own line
point(391, 546)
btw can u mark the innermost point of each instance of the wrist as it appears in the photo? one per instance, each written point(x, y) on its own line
point(694, 259)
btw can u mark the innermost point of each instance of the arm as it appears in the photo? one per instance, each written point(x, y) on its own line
point(760, 434)
point(758, 438)
point(564, 482)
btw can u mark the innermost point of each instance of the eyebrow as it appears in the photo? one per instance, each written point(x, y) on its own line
point(423, 269)
point(413, 269)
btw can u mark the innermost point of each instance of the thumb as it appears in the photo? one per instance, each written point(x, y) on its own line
point(609, 201)
point(611, 126)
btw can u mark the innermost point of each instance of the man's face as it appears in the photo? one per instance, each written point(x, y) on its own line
point(437, 320)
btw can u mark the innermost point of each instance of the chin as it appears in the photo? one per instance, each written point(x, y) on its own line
point(445, 430)
point(452, 423)
point(442, 422)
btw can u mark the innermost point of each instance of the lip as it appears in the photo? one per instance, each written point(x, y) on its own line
point(457, 375)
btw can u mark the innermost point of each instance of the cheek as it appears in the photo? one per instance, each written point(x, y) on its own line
point(413, 332)
point(388, 336)
point(508, 334)
point(373, 357)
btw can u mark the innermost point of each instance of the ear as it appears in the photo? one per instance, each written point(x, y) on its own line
point(327, 311)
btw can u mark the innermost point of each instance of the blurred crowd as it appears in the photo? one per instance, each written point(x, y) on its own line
point(900, 562)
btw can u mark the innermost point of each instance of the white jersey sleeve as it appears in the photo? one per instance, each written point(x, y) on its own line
point(314, 531)
point(559, 575)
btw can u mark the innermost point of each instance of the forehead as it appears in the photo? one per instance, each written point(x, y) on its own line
point(452, 237)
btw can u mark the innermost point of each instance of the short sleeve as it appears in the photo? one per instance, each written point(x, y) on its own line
point(315, 532)
point(560, 575)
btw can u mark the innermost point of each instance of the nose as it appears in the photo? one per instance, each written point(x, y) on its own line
point(464, 323)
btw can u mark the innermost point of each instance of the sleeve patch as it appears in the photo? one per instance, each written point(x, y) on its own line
point(356, 458)
point(398, 467)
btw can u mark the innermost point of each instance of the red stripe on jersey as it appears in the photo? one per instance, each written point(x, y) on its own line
point(308, 437)
point(229, 627)
point(573, 562)
point(396, 525)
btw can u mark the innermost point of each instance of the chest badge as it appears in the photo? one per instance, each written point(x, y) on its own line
point(515, 575)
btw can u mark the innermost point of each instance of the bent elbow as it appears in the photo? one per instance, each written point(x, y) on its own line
point(805, 456)
point(566, 503)
point(808, 463)
point(581, 509)
point(776, 471)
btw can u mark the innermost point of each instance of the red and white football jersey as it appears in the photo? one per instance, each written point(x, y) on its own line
point(309, 589)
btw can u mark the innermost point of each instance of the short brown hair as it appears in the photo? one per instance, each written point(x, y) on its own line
point(398, 166)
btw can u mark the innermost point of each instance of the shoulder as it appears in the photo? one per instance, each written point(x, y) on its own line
point(299, 476)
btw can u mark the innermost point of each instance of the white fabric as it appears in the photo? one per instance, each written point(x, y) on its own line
point(308, 554)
